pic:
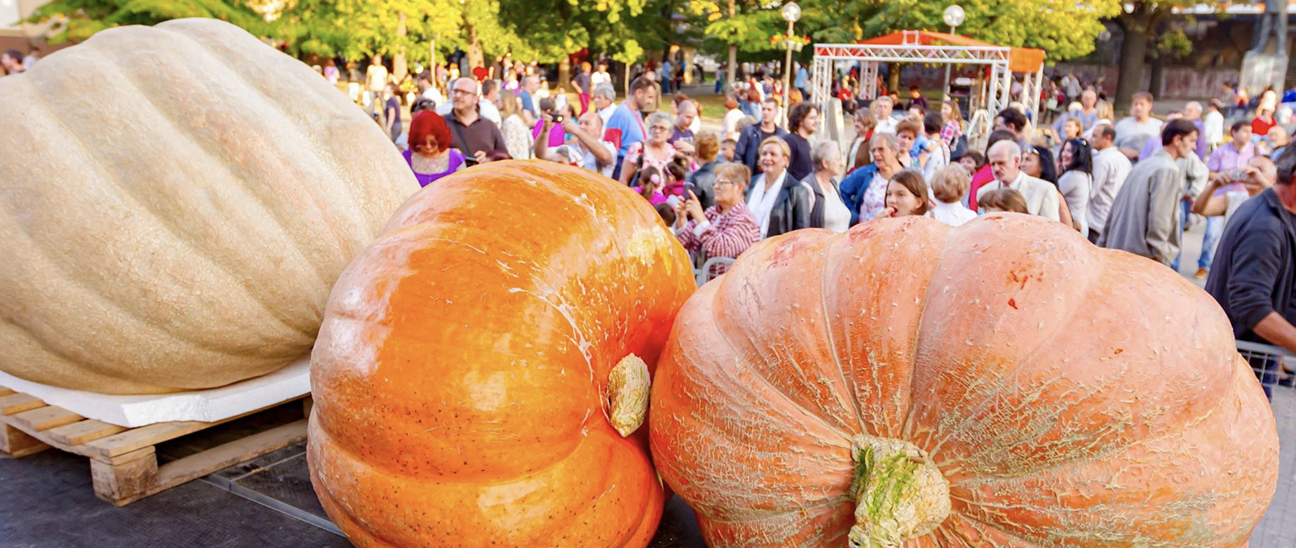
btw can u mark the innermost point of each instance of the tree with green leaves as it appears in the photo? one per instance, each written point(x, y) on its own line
point(1142, 23)
point(86, 17)
point(1063, 29)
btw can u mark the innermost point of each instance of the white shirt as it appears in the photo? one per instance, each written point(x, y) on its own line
point(485, 109)
point(606, 114)
point(434, 95)
point(836, 214)
point(937, 158)
point(886, 125)
point(1213, 128)
point(1110, 168)
point(1041, 196)
point(952, 214)
point(761, 202)
point(1075, 187)
point(1133, 134)
point(1235, 199)
point(731, 120)
point(599, 78)
point(590, 161)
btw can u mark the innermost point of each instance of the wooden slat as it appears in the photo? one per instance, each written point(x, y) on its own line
point(5, 391)
point(85, 431)
point(195, 466)
point(45, 418)
point(16, 444)
point(141, 437)
point(17, 403)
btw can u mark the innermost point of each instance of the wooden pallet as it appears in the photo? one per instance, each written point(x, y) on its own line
point(123, 463)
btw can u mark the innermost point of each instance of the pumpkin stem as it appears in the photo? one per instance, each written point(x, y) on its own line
point(628, 387)
point(899, 493)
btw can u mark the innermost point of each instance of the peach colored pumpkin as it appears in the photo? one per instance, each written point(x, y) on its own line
point(1001, 384)
point(178, 201)
point(461, 377)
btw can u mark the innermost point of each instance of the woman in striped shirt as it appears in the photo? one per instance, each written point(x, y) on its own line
point(725, 229)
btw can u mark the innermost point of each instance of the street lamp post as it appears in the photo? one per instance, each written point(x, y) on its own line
point(953, 18)
point(791, 12)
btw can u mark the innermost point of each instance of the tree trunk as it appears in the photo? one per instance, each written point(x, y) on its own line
point(733, 56)
point(1132, 57)
point(398, 62)
point(564, 72)
point(1154, 85)
point(476, 57)
point(893, 77)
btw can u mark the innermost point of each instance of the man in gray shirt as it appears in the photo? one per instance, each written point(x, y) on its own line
point(1144, 218)
point(1134, 131)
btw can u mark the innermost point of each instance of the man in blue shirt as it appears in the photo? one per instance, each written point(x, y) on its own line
point(530, 85)
point(666, 75)
point(628, 117)
point(802, 78)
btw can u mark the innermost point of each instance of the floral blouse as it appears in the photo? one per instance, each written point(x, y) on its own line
point(874, 198)
point(517, 138)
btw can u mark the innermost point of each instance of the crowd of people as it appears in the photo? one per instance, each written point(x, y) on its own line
point(1136, 183)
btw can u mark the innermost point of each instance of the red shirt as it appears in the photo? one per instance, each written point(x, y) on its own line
point(981, 177)
point(1260, 127)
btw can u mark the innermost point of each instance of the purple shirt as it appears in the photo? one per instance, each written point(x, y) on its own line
point(557, 136)
point(1154, 144)
point(424, 179)
point(1228, 157)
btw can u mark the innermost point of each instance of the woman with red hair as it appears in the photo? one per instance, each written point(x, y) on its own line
point(430, 156)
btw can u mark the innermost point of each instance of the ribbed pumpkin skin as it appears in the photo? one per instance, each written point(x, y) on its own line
point(1072, 396)
point(460, 375)
point(177, 202)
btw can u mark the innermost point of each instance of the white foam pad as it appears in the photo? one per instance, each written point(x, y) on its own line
point(201, 405)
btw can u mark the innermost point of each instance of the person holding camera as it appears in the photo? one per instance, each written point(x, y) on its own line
point(549, 125)
point(596, 154)
point(1222, 197)
point(725, 229)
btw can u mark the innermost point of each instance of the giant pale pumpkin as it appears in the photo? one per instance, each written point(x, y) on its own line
point(461, 376)
point(177, 202)
point(1000, 384)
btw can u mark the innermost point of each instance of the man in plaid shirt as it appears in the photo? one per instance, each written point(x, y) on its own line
point(726, 229)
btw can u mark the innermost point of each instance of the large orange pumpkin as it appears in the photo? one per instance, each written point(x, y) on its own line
point(461, 376)
point(1000, 384)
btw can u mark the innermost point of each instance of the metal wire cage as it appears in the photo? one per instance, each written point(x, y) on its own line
point(1272, 365)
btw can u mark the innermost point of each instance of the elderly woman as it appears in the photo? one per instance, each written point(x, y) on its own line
point(430, 156)
point(864, 190)
point(780, 203)
point(725, 229)
point(654, 151)
point(829, 210)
